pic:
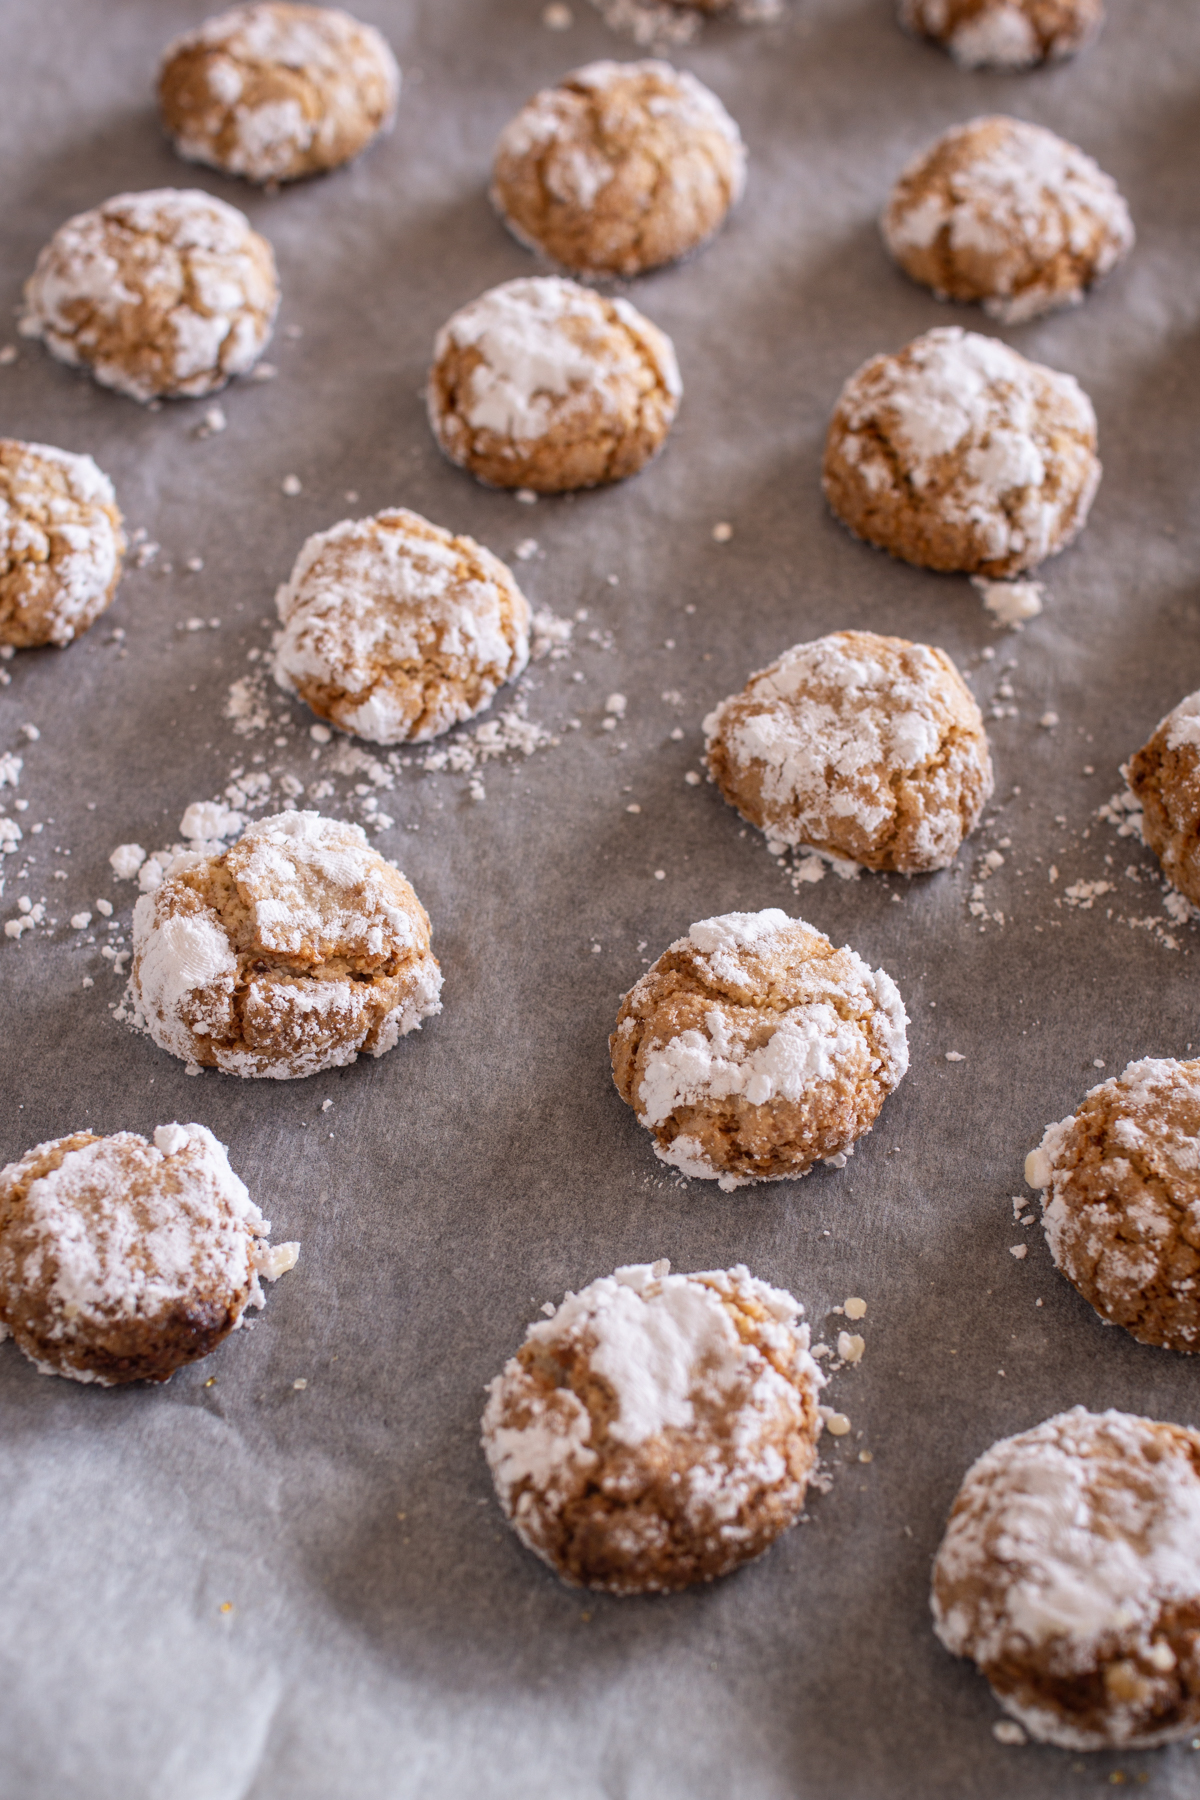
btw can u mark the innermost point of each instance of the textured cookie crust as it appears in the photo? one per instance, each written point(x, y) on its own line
point(958, 454)
point(61, 544)
point(1008, 214)
point(869, 748)
point(1165, 776)
point(1120, 1184)
point(543, 384)
point(658, 1430)
point(395, 630)
point(167, 293)
point(1005, 34)
point(1070, 1573)
point(752, 1049)
point(275, 92)
point(621, 167)
point(122, 1260)
point(290, 953)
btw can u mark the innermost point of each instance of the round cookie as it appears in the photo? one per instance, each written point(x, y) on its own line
point(1120, 1183)
point(1007, 214)
point(61, 544)
point(289, 953)
point(122, 1260)
point(1005, 34)
point(620, 168)
point(753, 1049)
point(957, 454)
point(275, 91)
point(1165, 777)
point(167, 293)
point(395, 630)
point(1070, 1573)
point(868, 748)
point(543, 384)
point(658, 1430)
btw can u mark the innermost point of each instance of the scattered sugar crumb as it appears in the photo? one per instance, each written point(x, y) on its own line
point(1007, 1731)
point(291, 486)
point(855, 1308)
point(955, 1056)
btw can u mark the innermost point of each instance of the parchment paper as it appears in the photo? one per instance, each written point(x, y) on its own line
point(251, 1591)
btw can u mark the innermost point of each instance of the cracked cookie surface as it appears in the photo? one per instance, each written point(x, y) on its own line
point(658, 1429)
point(753, 1049)
point(618, 169)
point(275, 92)
point(1007, 214)
point(958, 454)
point(868, 748)
point(61, 544)
point(293, 951)
point(1165, 776)
point(1120, 1182)
point(543, 384)
point(122, 1260)
point(1005, 34)
point(167, 293)
point(395, 630)
point(1070, 1574)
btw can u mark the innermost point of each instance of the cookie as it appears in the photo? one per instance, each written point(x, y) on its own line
point(1009, 215)
point(1165, 777)
point(658, 1429)
point(395, 630)
point(1005, 34)
point(753, 1049)
point(61, 544)
point(543, 384)
point(275, 92)
point(122, 1260)
point(163, 294)
point(957, 454)
point(291, 952)
point(868, 748)
point(622, 167)
point(1070, 1573)
point(1120, 1183)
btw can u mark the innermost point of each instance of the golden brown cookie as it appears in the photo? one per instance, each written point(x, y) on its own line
point(276, 91)
point(395, 630)
point(658, 1430)
point(1120, 1183)
point(1005, 34)
point(958, 454)
point(289, 953)
point(868, 748)
point(1070, 1573)
point(61, 544)
point(1007, 214)
point(543, 384)
point(619, 168)
point(167, 293)
point(753, 1049)
point(1165, 777)
point(122, 1260)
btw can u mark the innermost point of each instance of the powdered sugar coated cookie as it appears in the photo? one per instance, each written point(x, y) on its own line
point(958, 454)
point(869, 748)
point(658, 1430)
point(290, 953)
point(61, 544)
point(1165, 776)
point(165, 293)
point(1008, 214)
point(277, 91)
point(619, 168)
point(122, 1260)
point(395, 630)
point(753, 1049)
point(1070, 1573)
point(1005, 34)
point(543, 384)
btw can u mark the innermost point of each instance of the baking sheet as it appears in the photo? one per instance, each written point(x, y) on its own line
point(249, 1589)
